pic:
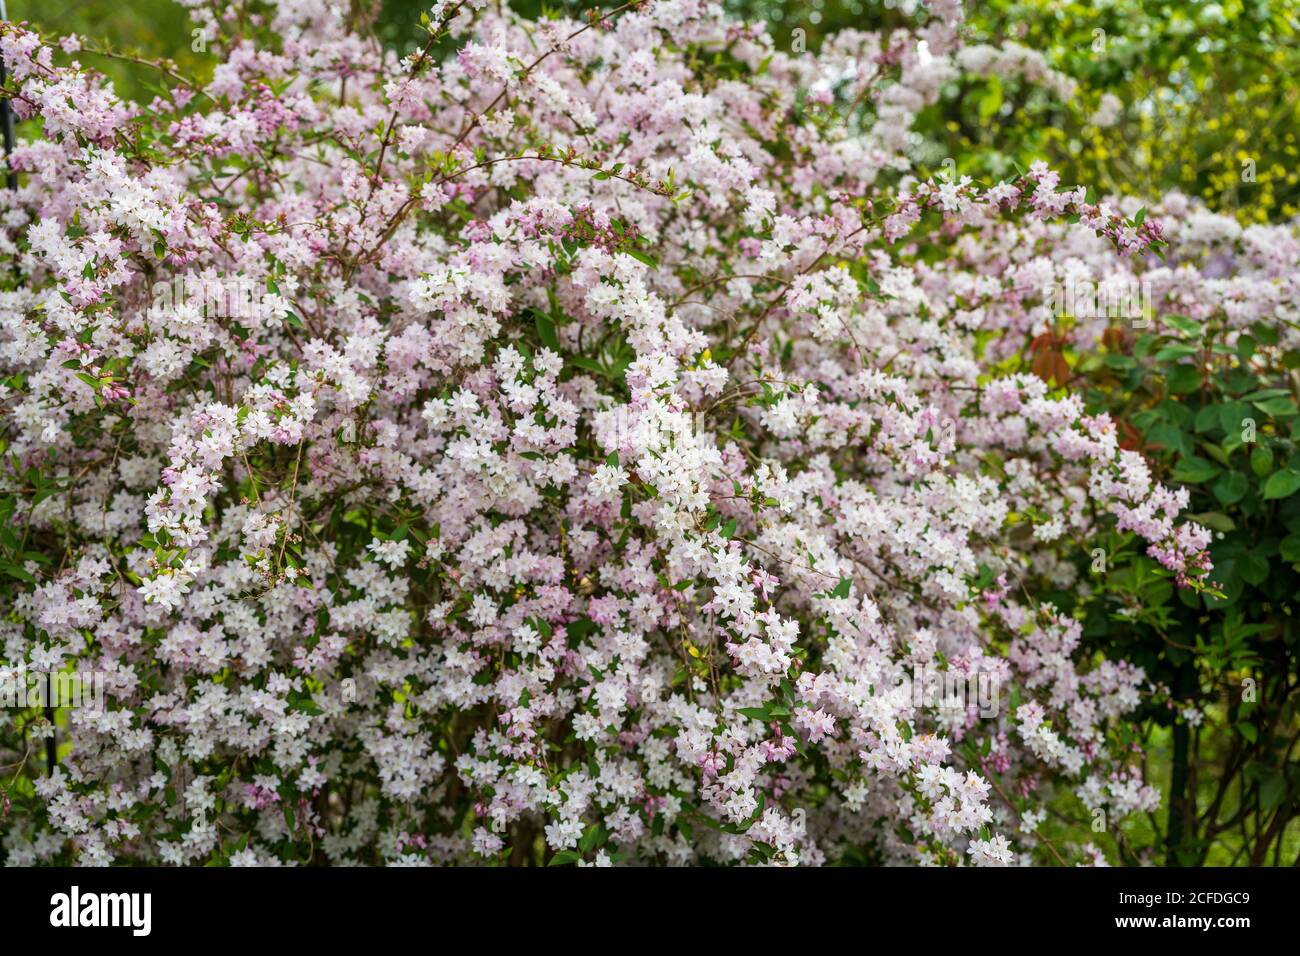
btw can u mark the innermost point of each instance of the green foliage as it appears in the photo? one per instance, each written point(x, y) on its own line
point(1223, 422)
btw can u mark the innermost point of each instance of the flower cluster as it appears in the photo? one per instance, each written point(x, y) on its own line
point(610, 439)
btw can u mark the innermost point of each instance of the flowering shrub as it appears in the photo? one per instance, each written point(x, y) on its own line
point(574, 442)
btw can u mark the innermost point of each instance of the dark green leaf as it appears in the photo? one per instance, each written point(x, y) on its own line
point(1282, 484)
point(1231, 488)
point(1193, 471)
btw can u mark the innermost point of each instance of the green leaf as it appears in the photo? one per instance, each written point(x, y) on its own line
point(1231, 488)
point(1265, 332)
point(1231, 416)
point(842, 589)
point(1184, 379)
point(1253, 568)
point(1261, 461)
point(546, 331)
point(1193, 471)
point(1169, 437)
point(588, 841)
point(1217, 453)
point(1264, 393)
point(1282, 484)
point(1183, 324)
point(16, 571)
point(1278, 407)
point(1272, 791)
point(645, 257)
point(1215, 519)
point(756, 713)
point(1207, 419)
